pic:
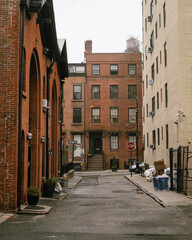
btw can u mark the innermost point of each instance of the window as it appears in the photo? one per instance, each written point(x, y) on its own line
point(144, 142)
point(165, 53)
point(95, 91)
point(143, 82)
point(154, 138)
point(76, 69)
point(166, 96)
point(132, 91)
point(114, 114)
point(156, 30)
point(152, 8)
point(113, 69)
point(132, 69)
point(77, 151)
point(155, 2)
point(77, 92)
point(146, 51)
point(157, 65)
point(161, 95)
point(167, 137)
point(95, 115)
point(152, 40)
point(114, 91)
point(114, 142)
point(153, 104)
point(96, 69)
point(158, 136)
point(80, 69)
point(146, 81)
point(159, 20)
point(76, 115)
point(132, 115)
point(147, 139)
point(162, 133)
point(158, 100)
point(164, 14)
point(147, 109)
point(132, 138)
point(145, 24)
point(153, 72)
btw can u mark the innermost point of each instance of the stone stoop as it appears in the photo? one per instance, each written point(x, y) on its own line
point(95, 163)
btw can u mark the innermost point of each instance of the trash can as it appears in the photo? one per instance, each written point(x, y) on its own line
point(163, 183)
point(155, 184)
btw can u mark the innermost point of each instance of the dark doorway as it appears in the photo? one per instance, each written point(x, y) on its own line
point(95, 143)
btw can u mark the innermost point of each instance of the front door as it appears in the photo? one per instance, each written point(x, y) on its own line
point(95, 143)
point(97, 146)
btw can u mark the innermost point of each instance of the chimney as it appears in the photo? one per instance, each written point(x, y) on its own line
point(88, 47)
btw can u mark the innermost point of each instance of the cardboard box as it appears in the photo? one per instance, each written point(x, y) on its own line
point(159, 167)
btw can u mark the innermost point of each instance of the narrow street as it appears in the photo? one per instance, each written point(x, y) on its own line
point(102, 207)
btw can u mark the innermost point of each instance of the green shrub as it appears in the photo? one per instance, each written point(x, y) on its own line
point(33, 191)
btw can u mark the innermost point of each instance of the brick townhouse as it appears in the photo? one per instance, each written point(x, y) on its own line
point(101, 98)
point(32, 69)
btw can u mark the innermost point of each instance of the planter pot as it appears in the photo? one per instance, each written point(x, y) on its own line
point(114, 169)
point(32, 200)
point(48, 190)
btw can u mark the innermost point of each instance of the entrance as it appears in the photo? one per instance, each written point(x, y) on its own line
point(95, 143)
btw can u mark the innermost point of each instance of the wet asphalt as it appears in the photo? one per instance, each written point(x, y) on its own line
point(102, 207)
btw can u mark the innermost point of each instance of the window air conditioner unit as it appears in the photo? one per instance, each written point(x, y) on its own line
point(152, 147)
point(152, 114)
point(150, 50)
point(149, 19)
point(150, 82)
point(44, 103)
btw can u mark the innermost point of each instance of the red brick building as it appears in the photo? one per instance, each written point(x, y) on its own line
point(101, 103)
point(32, 67)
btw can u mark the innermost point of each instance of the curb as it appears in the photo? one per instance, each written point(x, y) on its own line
point(148, 193)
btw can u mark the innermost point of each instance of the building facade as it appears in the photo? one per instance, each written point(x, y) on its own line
point(103, 96)
point(32, 67)
point(167, 82)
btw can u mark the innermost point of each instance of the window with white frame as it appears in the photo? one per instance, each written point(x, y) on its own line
point(114, 114)
point(95, 69)
point(77, 92)
point(114, 142)
point(132, 69)
point(132, 115)
point(113, 69)
point(95, 115)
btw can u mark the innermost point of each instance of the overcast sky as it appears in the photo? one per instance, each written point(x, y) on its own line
point(108, 23)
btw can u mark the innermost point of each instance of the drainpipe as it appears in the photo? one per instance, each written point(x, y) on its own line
point(85, 149)
point(20, 112)
point(49, 72)
point(61, 136)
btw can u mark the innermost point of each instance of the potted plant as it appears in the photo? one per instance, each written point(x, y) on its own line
point(33, 195)
point(49, 187)
point(114, 164)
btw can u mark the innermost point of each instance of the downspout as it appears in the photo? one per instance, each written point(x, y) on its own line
point(20, 113)
point(85, 149)
point(49, 72)
point(61, 135)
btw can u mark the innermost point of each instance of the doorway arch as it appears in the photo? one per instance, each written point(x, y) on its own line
point(33, 150)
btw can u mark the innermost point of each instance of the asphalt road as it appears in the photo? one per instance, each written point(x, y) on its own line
point(102, 207)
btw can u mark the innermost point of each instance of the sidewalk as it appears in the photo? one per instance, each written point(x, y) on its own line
point(42, 209)
point(165, 198)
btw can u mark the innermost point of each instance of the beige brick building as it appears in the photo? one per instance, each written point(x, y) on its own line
point(167, 79)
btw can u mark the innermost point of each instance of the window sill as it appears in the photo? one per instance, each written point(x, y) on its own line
point(80, 100)
point(77, 124)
